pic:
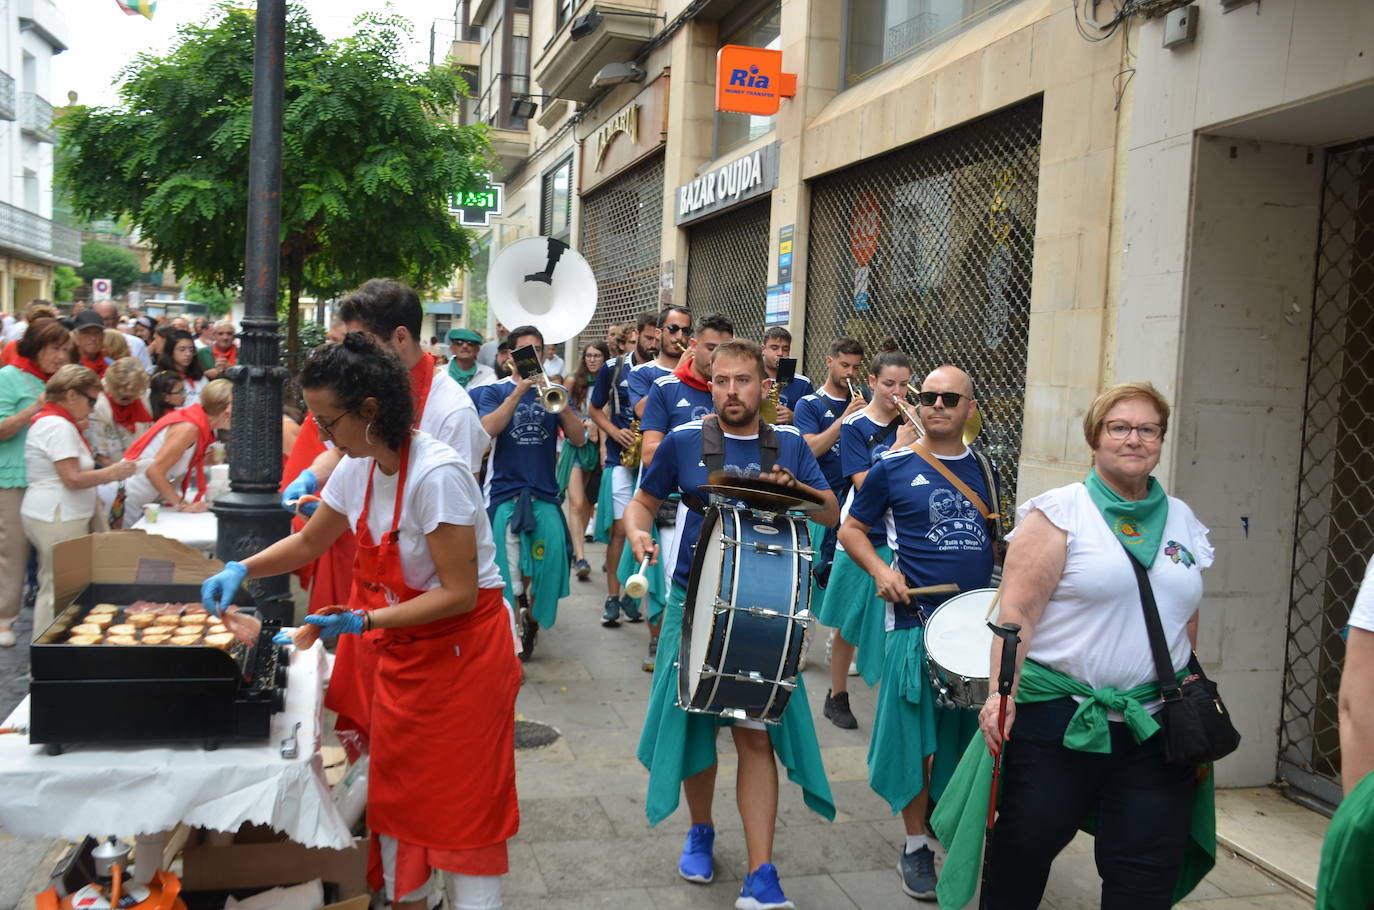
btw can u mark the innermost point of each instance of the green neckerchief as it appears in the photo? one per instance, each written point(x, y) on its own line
point(960, 817)
point(1137, 524)
point(463, 376)
point(1346, 877)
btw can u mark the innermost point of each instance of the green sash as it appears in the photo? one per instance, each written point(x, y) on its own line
point(1138, 524)
point(1346, 876)
point(960, 819)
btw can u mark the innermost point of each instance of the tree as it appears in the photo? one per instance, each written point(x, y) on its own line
point(105, 260)
point(370, 154)
point(218, 300)
point(64, 281)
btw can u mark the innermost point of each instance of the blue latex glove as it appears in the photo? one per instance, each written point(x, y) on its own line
point(218, 590)
point(347, 623)
point(283, 638)
point(305, 484)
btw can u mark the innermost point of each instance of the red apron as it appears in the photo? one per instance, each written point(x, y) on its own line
point(442, 690)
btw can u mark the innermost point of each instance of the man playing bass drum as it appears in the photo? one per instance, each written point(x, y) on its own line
point(678, 747)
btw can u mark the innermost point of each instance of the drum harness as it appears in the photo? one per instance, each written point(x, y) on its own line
point(713, 454)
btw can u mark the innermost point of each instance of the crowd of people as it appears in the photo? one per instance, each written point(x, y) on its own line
point(443, 498)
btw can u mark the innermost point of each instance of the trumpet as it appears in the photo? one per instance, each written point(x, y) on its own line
point(552, 398)
point(855, 391)
point(911, 416)
point(630, 457)
point(769, 409)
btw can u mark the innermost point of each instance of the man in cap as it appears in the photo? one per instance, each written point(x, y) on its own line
point(89, 332)
point(464, 366)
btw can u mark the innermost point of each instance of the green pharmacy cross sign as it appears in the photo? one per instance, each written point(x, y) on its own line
point(474, 206)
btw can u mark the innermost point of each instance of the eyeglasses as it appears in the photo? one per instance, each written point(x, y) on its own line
point(179, 391)
point(327, 426)
point(950, 399)
point(1148, 432)
point(685, 330)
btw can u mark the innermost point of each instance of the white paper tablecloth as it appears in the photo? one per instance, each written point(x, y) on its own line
point(195, 529)
point(129, 790)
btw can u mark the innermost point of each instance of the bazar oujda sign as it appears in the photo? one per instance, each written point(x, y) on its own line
point(750, 80)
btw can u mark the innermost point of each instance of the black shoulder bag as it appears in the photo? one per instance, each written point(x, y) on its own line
point(1197, 727)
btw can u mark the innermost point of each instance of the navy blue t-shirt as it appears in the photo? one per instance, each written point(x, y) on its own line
point(524, 454)
point(642, 379)
point(817, 413)
point(622, 415)
point(672, 402)
point(858, 452)
point(678, 466)
point(795, 391)
point(938, 535)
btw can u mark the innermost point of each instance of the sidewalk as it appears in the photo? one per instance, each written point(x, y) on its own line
point(584, 842)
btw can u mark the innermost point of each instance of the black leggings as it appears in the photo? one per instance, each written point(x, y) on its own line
point(1142, 807)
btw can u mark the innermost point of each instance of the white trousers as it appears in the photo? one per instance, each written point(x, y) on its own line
point(465, 892)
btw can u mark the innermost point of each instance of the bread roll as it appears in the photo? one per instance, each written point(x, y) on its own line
point(120, 640)
point(189, 630)
point(215, 628)
point(194, 619)
point(104, 608)
point(123, 628)
point(84, 640)
point(100, 620)
point(156, 638)
point(186, 639)
point(167, 619)
point(87, 628)
point(221, 640)
point(140, 620)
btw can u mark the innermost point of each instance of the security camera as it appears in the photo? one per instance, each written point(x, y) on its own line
point(617, 74)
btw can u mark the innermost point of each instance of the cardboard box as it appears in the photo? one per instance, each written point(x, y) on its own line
point(362, 902)
point(261, 858)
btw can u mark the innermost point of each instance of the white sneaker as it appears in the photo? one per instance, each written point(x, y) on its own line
point(7, 639)
point(853, 668)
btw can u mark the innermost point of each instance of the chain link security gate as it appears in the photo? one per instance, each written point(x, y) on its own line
point(1334, 524)
point(932, 245)
point(727, 267)
point(622, 230)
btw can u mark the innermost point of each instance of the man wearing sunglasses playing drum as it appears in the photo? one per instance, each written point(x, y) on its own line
point(941, 537)
point(678, 747)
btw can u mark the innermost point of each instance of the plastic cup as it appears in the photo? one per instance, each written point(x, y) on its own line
point(151, 512)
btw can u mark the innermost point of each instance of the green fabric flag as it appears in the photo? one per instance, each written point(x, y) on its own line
point(1138, 524)
point(463, 376)
point(960, 819)
point(1346, 876)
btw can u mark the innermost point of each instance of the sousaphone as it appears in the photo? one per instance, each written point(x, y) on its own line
point(543, 282)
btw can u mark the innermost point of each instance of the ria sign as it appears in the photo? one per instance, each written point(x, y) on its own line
point(750, 80)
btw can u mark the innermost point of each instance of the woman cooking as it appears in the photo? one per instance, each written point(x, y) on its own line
point(60, 502)
point(1081, 731)
point(174, 450)
point(427, 599)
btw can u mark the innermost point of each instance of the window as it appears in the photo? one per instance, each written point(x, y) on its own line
point(563, 10)
point(555, 218)
point(762, 29)
point(878, 32)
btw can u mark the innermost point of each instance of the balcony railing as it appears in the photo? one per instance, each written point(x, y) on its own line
point(24, 233)
point(35, 117)
point(7, 107)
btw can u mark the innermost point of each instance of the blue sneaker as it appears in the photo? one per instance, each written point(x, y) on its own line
point(918, 874)
point(761, 891)
point(630, 607)
point(610, 614)
point(696, 864)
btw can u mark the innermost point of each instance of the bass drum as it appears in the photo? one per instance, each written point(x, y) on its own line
point(958, 647)
point(746, 616)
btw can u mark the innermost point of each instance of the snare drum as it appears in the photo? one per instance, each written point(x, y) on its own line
point(958, 647)
point(747, 612)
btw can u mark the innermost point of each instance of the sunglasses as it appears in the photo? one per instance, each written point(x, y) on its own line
point(950, 399)
point(676, 329)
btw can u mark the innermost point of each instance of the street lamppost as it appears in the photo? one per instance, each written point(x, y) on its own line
point(251, 516)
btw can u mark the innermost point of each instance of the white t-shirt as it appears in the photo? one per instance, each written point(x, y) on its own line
point(1362, 614)
point(47, 498)
point(138, 348)
point(439, 490)
point(139, 490)
point(193, 390)
point(1093, 627)
point(451, 417)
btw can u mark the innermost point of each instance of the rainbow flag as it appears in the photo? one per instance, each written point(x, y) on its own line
point(144, 8)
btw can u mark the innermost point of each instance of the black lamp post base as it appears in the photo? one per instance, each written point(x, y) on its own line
point(249, 523)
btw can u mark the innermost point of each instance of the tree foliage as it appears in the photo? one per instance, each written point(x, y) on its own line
point(369, 155)
point(64, 281)
point(219, 301)
point(105, 260)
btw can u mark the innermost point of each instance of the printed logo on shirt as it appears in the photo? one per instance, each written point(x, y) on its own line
point(954, 523)
point(527, 426)
point(683, 403)
point(1179, 554)
point(919, 480)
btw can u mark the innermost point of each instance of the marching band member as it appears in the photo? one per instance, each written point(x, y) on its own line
point(852, 606)
point(939, 536)
point(818, 418)
point(678, 747)
point(522, 492)
point(426, 600)
point(674, 332)
point(612, 409)
point(777, 344)
point(390, 313)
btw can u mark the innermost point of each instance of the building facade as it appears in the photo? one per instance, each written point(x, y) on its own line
point(1053, 203)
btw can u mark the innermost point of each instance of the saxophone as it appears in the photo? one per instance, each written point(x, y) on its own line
point(769, 409)
point(629, 458)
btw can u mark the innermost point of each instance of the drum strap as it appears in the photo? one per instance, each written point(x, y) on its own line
point(930, 459)
point(713, 454)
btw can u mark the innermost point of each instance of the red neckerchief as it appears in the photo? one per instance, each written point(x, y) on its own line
point(99, 366)
point(232, 356)
point(685, 373)
point(28, 366)
point(128, 415)
point(205, 436)
point(55, 410)
point(421, 381)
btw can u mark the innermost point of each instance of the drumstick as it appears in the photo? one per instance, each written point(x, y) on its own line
point(934, 589)
point(992, 607)
point(638, 584)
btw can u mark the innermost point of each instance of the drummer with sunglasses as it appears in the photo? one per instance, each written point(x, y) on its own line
point(678, 747)
point(939, 536)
